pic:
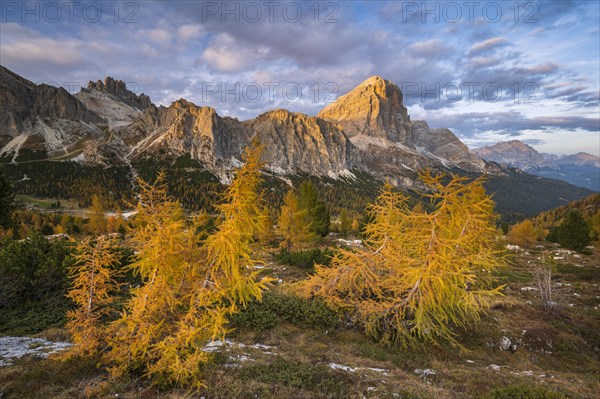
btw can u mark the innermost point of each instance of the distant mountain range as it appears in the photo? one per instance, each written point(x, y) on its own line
point(106, 124)
point(366, 131)
point(581, 169)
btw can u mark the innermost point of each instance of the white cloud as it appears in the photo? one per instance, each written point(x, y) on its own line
point(488, 44)
point(482, 62)
point(430, 49)
point(225, 55)
point(158, 35)
point(189, 31)
point(22, 46)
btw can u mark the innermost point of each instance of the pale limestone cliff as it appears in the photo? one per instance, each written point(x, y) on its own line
point(374, 108)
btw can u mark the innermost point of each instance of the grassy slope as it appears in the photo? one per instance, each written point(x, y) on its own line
point(557, 352)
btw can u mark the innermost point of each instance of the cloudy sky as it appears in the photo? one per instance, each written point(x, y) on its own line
point(490, 71)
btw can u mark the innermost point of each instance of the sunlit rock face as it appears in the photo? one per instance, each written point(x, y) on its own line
point(374, 109)
point(42, 117)
point(185, 128)
point(297, 142)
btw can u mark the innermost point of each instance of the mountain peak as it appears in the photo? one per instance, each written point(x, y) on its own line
point(580, 159)
point(518, 144)
point(515, 153)
point(118, 89)
point(373, 108)
point(510, 146)
point(376, 80)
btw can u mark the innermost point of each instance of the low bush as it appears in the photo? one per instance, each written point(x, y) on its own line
point(33, 281)
point(305, 259)
point(277, 307)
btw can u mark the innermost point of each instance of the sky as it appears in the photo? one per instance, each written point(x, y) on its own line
point(488, 70)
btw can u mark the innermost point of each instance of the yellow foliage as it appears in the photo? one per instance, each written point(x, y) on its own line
point(93, 282)
point(230, 250)
point(523, 233)
point(5, 234)
point(97, 223)
point(420, 274)
point(113, 223)
point(191, 283)
point(293, 223)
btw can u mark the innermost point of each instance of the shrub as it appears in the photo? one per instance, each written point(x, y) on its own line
point(33, 279)
point(542, 277)
point(305, 259)
point(275, 307)
point(523, 233)
point(574, 232)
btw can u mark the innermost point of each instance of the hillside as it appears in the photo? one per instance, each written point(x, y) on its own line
point(288, 348)
point(588, 207)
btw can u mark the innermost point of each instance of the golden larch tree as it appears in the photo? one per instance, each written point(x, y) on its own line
point(191, 283)
point(355, 225)
point(420, 274)
point(168, 250)
point(231, 249)
point(523, 233)
point(293, 223)
point(97, 222)
point(93, 283)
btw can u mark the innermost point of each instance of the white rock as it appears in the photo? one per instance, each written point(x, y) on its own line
point(425, 373)
point(16, 347)
point(505, 344)
point(336, 366)
point(529, 289)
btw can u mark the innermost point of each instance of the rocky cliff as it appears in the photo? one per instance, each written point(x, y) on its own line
point(374, 109)
point(368, 129)
point(295, 142)
point(118, 89)
point(42, 117)
point(442, 143)
point(185, 128)
point(22, 100)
